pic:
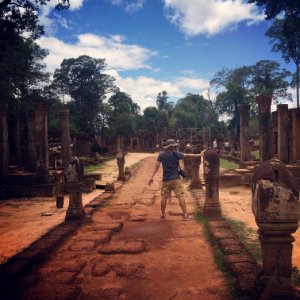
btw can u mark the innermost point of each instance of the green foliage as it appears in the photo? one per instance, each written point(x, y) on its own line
point(228, 165)
point(194, 111)
point(82, 80)
point(22, 15)
point(268, 78)
point(123, 115)
point(245, 235)
point(274, 8)
point(152, 121)
point(285, 37)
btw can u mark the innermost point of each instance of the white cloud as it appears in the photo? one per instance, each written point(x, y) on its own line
point(144, 90)
point(210, 17)
point(117, 54)
point(51, 24)
point(129, 6)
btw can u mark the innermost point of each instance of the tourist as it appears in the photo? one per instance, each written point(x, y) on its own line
point(215, 145)
point(169, 158)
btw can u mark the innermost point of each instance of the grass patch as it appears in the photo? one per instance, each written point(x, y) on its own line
point(226, 164)
point(244, 233)
point(233, 293)
point(255, 154)
point(92, 168)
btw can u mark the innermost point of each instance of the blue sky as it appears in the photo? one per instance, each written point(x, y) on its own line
point(155, 45)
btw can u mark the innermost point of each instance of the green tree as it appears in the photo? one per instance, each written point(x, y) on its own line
point(123, 115)
point(82, 81)
point(274, 8)
point(152, 121)
point(285, 37)
point(22, 72)
point(194, 111)
point(22, 15)
point(267, 77)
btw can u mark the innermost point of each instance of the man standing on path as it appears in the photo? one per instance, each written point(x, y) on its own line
point(171, 178)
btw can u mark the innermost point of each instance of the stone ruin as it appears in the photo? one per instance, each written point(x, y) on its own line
point(276, 208)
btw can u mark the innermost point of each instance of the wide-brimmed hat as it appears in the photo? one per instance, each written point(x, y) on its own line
point(170, 143)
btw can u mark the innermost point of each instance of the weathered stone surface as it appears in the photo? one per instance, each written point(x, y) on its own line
point(223, 234)
point(73, 266)
point(238, 258)
point(61, 277)
point(105, 294)
point(138, 218)
point(213, 225)
point(129, 270)
point(129, 247)
point(231, 249)
point(82, 246)
point(242, 268)
point(116, 226)
point(231, 246)
point(66, 255)
point(246, 284)
point(100, 269)
point(100, 237)
point(118, 215)
point(46, 291)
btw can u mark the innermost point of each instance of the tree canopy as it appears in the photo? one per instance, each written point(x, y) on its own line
point(22, 15)
point(82, 81)
point(274, 8)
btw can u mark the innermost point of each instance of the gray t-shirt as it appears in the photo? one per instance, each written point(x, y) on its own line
point(169, 160)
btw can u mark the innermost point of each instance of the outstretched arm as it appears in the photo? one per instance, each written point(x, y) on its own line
point(154, 172)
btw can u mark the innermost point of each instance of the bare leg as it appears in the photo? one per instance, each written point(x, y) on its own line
point(163, 205)
point(182, 204)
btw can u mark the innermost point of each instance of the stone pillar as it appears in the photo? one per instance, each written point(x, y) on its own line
point(187, 161)
point(73, 174)
point(275, 204)
point(121, 164)
point(31, 147)
point(264, 109)
point(18, 143)
point(296, 133)
point(65, 135)
point(195, 164)
point(212, 208)
point(4, 145)
point(41, 138)
point(244, 132)
point(282, 140)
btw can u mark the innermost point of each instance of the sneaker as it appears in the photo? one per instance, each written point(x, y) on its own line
point(186, 218)
point(163, 218)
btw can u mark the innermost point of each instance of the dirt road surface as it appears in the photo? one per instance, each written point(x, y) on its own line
point(126, 252)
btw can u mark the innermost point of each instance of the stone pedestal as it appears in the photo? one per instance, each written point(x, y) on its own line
point(121, 165)
point(187, 162)
point(65, 135)
point(275, 205)
point(282, 139)
point(264, 109)
point(244, 132)
point(195, 180)
point(4, 146)
point(212, 208)
point(75, 210)
point(296, 133)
